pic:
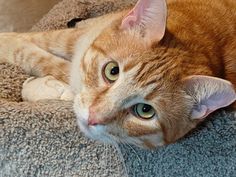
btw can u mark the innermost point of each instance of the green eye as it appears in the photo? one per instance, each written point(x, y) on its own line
point(111, 71)
point(144, 111)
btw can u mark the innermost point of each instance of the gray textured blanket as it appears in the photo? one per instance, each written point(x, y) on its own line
point(42, 139)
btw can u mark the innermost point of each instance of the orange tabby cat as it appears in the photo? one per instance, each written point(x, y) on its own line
point(141, 76)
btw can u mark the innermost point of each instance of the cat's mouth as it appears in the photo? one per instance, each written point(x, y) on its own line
point(95, 132)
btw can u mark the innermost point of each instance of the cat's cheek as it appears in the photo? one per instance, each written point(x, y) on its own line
point(153, 141)
point(97, 132)
point(82, 113)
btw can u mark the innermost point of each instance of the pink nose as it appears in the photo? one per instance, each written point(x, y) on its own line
point(92, 120)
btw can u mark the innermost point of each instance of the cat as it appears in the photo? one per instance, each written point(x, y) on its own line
point(146, 75)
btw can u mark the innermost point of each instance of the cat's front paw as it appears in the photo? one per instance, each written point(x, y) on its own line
point(47, 87)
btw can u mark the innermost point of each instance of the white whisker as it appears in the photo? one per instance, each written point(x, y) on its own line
point(107, 159)
point(121, 158)
point(135, 153)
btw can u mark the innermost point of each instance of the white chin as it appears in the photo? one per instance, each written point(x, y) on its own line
point(97, 132)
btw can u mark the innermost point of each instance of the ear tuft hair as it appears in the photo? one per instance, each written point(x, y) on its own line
point(209, 93)
point(148, 18)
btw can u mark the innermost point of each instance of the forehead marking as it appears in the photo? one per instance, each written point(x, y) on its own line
point(130, 65)
point(98, 49)
point(92, 74)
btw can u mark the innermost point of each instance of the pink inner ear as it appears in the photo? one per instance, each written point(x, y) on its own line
point(201, 111)
point(133, 17)
point(129, 21)
point(217, 101)
point(211, 93)
point(149, 18)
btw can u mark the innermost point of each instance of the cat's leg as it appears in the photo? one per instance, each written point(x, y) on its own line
point(33, 59)
point(42, 54)
point(40, 63)
point(35, 89)
point(60, 42)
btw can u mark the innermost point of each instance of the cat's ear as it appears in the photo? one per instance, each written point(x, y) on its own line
point(148, 18)
point(209, 94)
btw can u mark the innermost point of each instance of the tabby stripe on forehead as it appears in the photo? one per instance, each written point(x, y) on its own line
point(91, 74)
point(98, 49)
point(154, 92)
point(83, 63)
point(130, 65)
point(152, 67)
point(143, 72)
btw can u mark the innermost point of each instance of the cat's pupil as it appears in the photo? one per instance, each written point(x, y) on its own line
point(115, 70)
point(146, 108)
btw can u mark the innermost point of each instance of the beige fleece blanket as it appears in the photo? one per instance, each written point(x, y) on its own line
point(42, 138)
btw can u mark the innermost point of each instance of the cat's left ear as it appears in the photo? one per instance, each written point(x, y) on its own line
point(209, 94)
point(148, 18)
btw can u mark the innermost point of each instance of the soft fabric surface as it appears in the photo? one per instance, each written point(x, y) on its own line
point(63, 12)
point(18, 15)
point(42, 138)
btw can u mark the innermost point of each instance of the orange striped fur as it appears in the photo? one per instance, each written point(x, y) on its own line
point(200, 39)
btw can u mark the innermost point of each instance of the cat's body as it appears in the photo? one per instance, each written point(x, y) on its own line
point(205, 28)
point(158, 65)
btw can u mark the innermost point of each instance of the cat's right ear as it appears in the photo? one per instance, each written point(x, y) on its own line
point(209, 94)
point(148, 19)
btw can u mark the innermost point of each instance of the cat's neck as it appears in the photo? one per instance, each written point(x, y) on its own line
point(210, 44)
point(210, 58)
point(193, 59)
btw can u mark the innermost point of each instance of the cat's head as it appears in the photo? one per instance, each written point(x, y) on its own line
point(132, 92)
